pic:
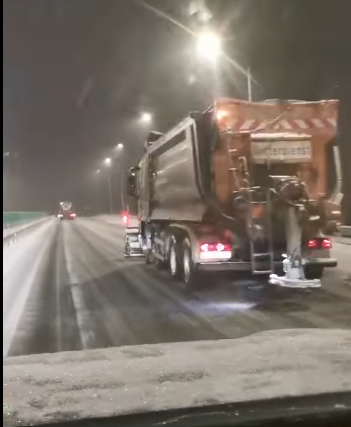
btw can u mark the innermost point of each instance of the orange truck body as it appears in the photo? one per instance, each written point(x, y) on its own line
point(243, 125)
point(291, 138)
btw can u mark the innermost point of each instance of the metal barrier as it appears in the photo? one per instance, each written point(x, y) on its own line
point(14, 222)
point(345, 231)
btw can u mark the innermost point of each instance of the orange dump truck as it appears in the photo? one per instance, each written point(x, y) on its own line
point(214, 192)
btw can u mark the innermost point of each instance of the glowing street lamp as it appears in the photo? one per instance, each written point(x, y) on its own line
point(208, 46)
point(108, 161)
point(119, 146)
point(146, 117)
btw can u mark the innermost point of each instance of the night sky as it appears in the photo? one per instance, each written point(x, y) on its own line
point(77, 74)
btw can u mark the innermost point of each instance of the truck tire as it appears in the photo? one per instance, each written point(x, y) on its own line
point(148, 257)
point(190, 275)
point(314, 272)
point(158, 263)
point(174, 264)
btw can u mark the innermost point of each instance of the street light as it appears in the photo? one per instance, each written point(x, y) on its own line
point(108, 161)
point(146, 117)
point(208, 46)
point(119, 146)
point(192, 79)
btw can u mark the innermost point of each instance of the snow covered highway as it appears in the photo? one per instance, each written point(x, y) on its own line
point(68, 287)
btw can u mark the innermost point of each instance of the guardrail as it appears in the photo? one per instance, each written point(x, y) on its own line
point(15, 222)
point(345, 231)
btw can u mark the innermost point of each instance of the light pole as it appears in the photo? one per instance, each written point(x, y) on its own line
point(249, 84)
point(108, 164)
point(120, 151)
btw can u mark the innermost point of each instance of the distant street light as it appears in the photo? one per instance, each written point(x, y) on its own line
point(119, 146)
point(208, 46)
point(192, 80)
point(108, 161)
point(146, 117)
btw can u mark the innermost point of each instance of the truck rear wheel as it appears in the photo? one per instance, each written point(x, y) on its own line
point(174, 265)
point(190, 275)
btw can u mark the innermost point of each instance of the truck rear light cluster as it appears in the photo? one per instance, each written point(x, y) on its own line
point(215, 247)
point(319, 244)
point(326, 244)
point(312, 244)
point(215, 251)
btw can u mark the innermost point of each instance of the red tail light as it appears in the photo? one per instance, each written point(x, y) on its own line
point(312, 244)
point(125, 216)
point(319, 244)
point(326, 244)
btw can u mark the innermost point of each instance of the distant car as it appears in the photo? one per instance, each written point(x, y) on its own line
point(132, 243)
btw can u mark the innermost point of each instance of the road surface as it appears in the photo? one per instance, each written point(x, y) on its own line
point(68, 287)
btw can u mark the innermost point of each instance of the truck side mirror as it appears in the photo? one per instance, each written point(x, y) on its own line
point(132, 189)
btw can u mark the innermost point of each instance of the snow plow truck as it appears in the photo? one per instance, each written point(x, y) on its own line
point(240, 186)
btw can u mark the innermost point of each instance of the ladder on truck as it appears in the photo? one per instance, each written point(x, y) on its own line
point(255, 256)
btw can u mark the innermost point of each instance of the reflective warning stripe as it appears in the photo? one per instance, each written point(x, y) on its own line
point(285, 125)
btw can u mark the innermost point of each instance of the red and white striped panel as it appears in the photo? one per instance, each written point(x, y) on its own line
point(300, 125)
point(302, 117)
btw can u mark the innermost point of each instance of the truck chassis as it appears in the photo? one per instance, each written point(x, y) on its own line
point(188, 252)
